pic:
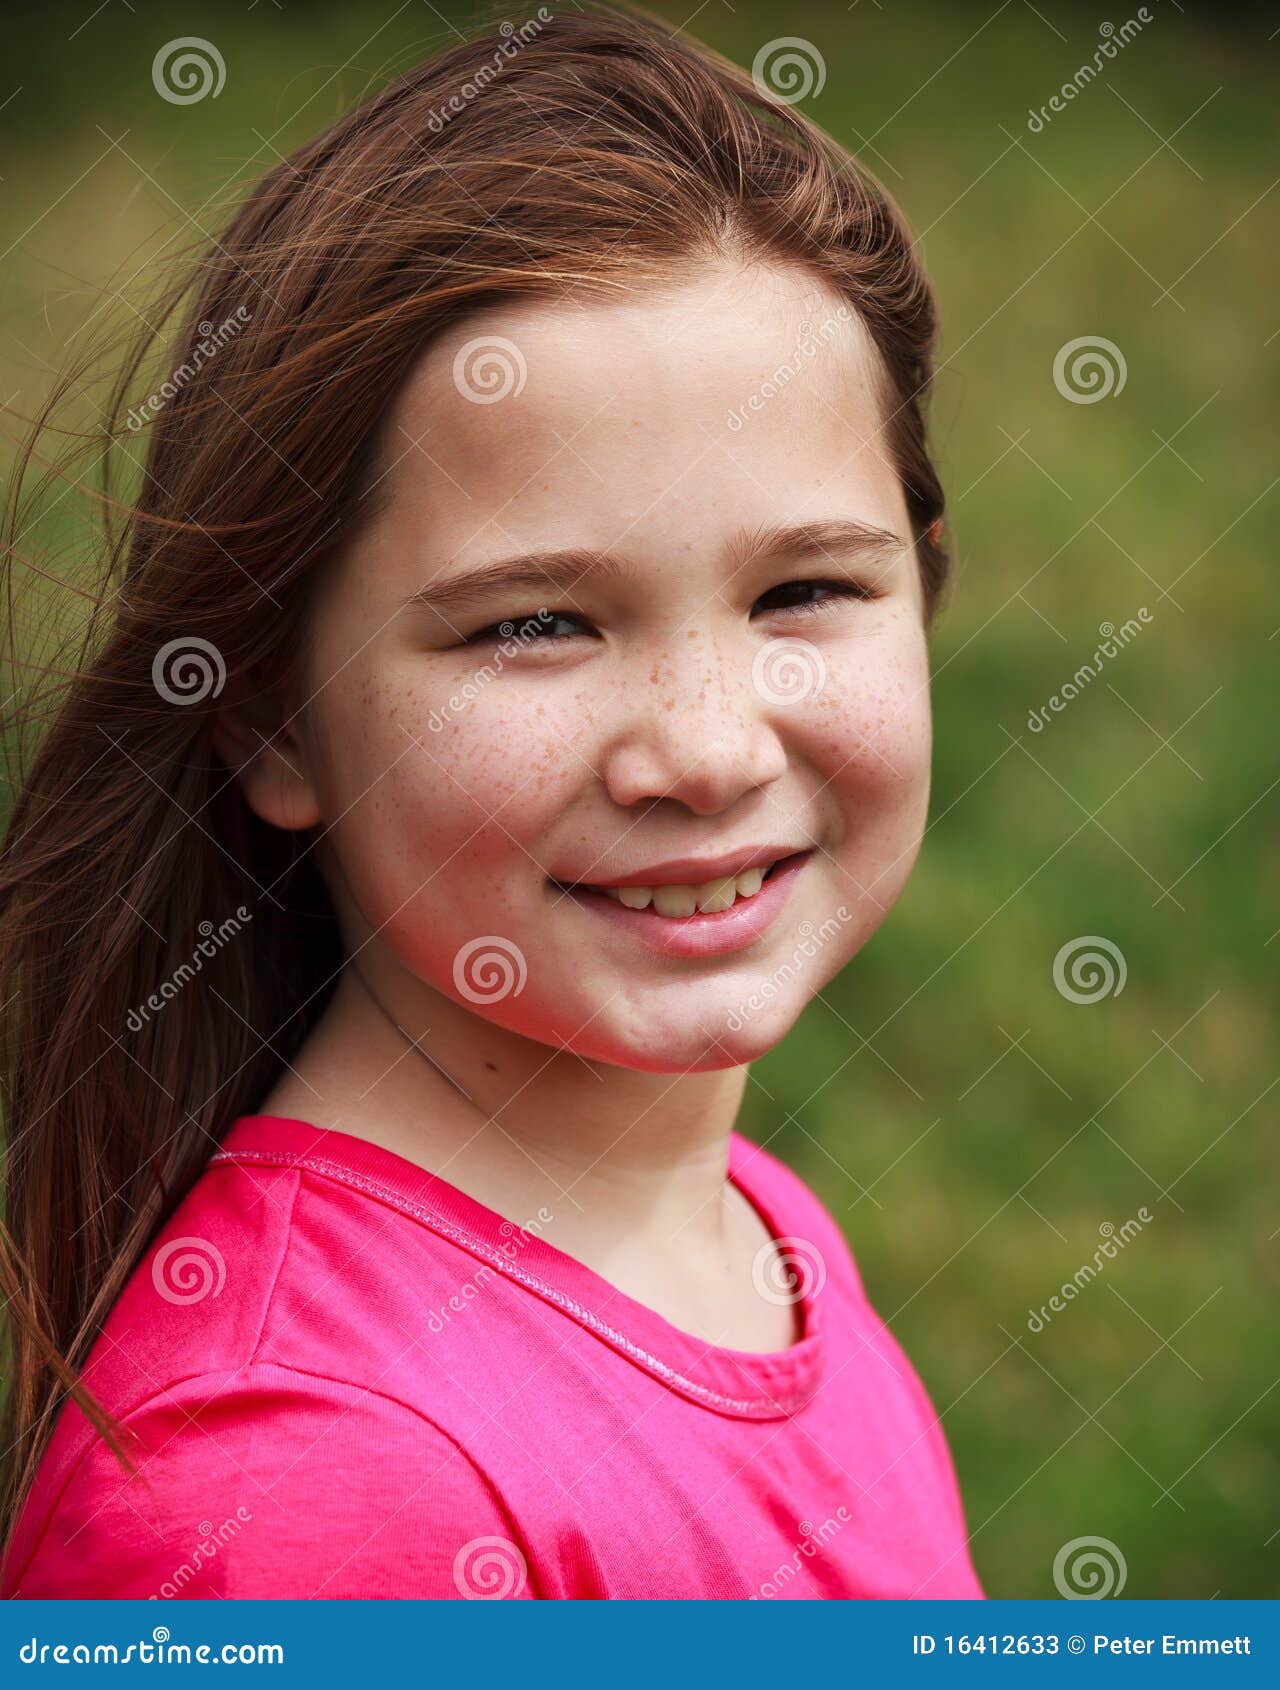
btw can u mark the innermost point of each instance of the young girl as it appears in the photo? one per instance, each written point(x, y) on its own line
point(513, 713)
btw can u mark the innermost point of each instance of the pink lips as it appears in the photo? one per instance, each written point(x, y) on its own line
point(693, 871)
point(702, 933)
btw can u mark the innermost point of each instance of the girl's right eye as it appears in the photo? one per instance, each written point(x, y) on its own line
point(534, 628)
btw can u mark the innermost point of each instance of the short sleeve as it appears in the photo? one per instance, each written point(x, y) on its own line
point(278, 1484)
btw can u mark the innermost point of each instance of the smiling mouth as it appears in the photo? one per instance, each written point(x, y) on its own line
point(677, 902)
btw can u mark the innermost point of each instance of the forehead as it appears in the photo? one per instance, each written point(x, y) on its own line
point(659, 416)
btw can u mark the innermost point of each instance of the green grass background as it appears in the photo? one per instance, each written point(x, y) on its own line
point(971, 1127)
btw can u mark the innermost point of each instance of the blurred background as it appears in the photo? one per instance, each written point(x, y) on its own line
point(1068, 1023)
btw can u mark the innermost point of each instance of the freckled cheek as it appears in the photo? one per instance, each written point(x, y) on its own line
point(872, 750)
point(872, 734)
point(479, 795)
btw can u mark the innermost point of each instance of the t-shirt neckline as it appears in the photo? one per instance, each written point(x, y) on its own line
point(744, 1383)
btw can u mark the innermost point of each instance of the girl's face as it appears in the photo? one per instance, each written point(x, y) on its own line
point(669, 688)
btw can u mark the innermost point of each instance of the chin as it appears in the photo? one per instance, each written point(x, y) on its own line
point(728, 1040)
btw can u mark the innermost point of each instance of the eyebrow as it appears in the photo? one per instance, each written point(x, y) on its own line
point(564, 568)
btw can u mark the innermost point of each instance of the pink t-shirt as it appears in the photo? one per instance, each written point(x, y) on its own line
point(347, 1378)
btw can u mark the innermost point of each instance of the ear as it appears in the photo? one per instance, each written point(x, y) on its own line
point(254, 737)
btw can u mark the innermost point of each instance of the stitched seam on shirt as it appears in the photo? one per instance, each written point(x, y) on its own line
point(47, 1522)
point(751, 1406)
point(94, 1440)
point(758, 1408)
point(74, 1471)
point(486, 1481)
point(360, 1391)
point(418, 1414)
point(236, 1374)
point(275, 1281)
point(91, 1444)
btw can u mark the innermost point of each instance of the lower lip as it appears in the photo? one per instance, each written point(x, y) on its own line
point(704, 933)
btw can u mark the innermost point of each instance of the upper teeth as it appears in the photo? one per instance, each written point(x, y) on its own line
point(683, 900)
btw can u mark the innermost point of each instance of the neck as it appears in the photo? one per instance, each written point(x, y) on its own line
point(623, 1161)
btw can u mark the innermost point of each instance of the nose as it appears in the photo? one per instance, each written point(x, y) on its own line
point(693, 727)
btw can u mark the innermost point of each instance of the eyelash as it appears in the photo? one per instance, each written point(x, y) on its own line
point(840, 589)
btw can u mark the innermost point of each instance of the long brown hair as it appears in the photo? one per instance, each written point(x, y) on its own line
point(586, 149)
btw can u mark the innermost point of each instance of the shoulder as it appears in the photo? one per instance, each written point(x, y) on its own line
point(272, 1263)
point(897, 1394)
point(794, 1210)
point(269, 1482)
point(261, 1360)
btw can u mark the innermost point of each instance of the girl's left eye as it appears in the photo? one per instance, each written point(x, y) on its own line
point(806, 605)
point(551, 627)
